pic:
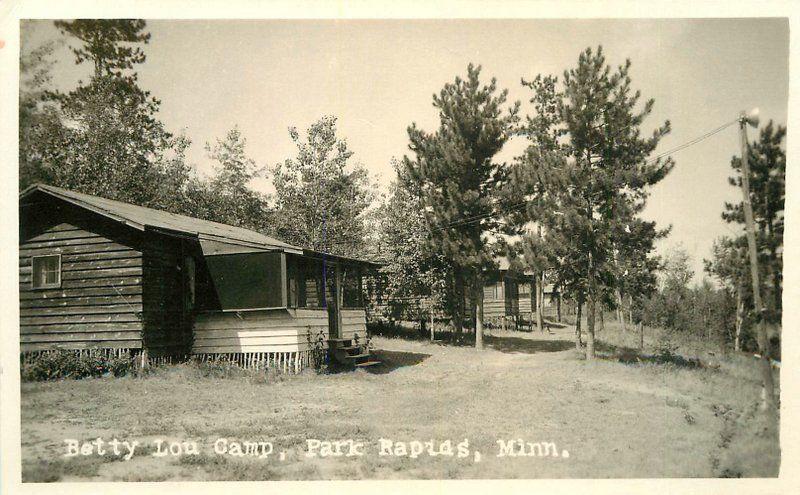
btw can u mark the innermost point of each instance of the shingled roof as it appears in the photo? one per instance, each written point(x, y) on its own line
point(141, 218)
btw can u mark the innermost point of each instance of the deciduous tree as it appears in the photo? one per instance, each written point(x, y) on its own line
point(412, 276)
point(229, 197)
point(321, 195)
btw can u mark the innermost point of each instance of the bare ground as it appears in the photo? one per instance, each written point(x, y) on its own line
point(612, 419)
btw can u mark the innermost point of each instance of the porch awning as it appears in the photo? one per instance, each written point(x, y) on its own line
point(213, 246)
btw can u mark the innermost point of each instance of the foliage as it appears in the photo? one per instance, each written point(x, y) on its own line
point(321, 197)
point(585, 177)
point(767, 161)
point(457, 180)
point(410, 273)
point(729, 263)
point(62, 364)
point(36, 114)
point(110, 44)
point(104, 137)
point(316, 345)
point(702, 311)
point(229, 199)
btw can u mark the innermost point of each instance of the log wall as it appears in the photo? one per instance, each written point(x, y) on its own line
point(99, 302)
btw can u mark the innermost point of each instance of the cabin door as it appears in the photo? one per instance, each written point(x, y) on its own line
point(333, 298)
point(189, 289)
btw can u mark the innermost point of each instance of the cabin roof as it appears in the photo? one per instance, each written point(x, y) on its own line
point(141, 218)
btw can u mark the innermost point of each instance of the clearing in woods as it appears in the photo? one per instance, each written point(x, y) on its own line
point(613, 418)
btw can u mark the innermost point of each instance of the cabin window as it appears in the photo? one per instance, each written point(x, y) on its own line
point(246, 280)
point(351, 287)
point(46, 271)
point(310, 293)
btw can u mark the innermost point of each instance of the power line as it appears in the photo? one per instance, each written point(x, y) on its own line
point(692, 142)
point(516, 206)
point(477, 218)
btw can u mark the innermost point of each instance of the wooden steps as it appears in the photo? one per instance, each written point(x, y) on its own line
point(356, 357)
point(367, 363)
point(345, 353)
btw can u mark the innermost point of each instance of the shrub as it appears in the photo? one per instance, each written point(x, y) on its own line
point(319, 353)
point(69, 364)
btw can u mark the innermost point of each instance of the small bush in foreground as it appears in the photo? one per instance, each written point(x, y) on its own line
point(68, 364)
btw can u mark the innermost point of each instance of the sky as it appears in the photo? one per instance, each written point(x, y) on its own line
point(379, 76)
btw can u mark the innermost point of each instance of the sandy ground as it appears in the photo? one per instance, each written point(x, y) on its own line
point(605, 418)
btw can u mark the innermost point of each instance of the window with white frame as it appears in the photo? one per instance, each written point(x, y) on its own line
point(46, 271)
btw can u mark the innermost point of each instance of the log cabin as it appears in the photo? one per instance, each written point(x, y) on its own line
point(97, 275)
point(508, 298)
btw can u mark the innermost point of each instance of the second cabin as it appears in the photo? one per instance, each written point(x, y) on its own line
point(98, 275)
point(508, 298)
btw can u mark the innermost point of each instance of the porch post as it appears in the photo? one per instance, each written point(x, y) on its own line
point(284, 282)
point(338, 295)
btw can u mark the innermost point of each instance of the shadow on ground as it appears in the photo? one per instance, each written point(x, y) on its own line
point(527, 346)
point(629, 355)
point(392, 360)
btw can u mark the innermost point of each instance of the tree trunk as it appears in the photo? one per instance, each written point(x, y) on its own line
point(641, 337)
point(433, 332)
point(630, 309)
point(578, 343)
point(478, 314)
point(621, 311)
point(590, 321)
point(458, 303)
point(601, 319)
point(538, 288)
point(558, 307)
point(739, 320)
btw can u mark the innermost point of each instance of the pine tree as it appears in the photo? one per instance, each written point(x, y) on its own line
point(458, 182)
point(591, 174)
point(104, 136)
point(111, 45)
point(767, 160)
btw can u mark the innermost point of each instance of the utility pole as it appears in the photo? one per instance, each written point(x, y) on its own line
point(761, 331)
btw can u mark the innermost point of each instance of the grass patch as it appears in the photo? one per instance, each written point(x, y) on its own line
point(657, 418)
point(50, 470)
